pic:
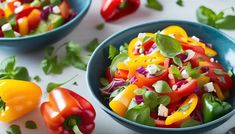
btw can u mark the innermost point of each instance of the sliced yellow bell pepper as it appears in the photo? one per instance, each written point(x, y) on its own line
point(122, 65)
point(17, 98)
point(219, 93)
point(121, 102)
point(8, 12)
point(177, 31)
point(184, 110)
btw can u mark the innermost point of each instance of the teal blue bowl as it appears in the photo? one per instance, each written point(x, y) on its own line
point(99, 61)
point(38, 41)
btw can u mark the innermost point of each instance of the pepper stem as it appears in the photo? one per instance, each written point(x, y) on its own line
point(72, 123)
point(2, 105)
point(123, 4)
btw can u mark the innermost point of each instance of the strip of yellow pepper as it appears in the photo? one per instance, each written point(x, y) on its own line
point(184, 111)
point(17, 98)
point(121, 102)
point(219, 93)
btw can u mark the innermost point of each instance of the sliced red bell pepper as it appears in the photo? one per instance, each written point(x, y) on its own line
point(2, 14)
point(108, 75)
point(34, 19)
point(68, 112)
point(114, 9)
point(25, 12)
point(120, 73)
point(197, 49)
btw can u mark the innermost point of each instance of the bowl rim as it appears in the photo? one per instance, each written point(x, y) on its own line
point(111, 113)
point(79, 15)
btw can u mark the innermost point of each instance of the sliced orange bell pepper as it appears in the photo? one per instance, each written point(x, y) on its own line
point(17, 99)
point(219, 93)
point(121, 102)
point(23, 25)
point(34, 19)
point(184, 110)
point(65, 9)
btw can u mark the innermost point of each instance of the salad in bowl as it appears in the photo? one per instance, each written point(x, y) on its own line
point(167, 79)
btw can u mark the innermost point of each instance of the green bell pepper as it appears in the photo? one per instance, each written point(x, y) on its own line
point(213, 107)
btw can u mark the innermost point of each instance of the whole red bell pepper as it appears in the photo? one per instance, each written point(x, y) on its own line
point(114, 9)
point(66, 112)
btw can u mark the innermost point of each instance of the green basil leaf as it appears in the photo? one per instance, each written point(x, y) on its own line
point(177, 61)
point(227, 22)
point(176, 72)
point(100, 26)
point(193, 72)
point(8, 64)
point(112, 52)
point(180, 3)
point(21, 73)
point(151, 99)
point(189, 123)
point(30, 124)
point(219, 71)
point(92, 45)
point(165, 100)
point(169, 47)
point(140, 114)
point(206, 16)
point(12, 20)
point(14, 129)
point(154, 4)
point(124, 48)
point(37, 78)
point(162, 87)
point(116, 60)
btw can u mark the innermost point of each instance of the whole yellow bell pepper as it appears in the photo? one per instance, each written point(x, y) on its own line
point(17, 98)
point(184, 110)
point(121, 102)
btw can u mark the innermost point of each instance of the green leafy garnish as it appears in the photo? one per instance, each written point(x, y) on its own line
point(116, 60)
point(190, 122)
point(92, 45)
point(8, 70)
point(221, 79)
point(230, 73)
point(30, 124)
point(53, 85)
point(37, 78)
point(100, 26)
point(140, 91)
point(146, 38)
point(154, 4)
point(2, 105)
point(184, 108)
point(177, 61)
point(207, 16)
point(219, 71)
point(180, 2)
point(176, 72)
point(124, 48)
point(161, 87)
point(192, 72)
point(14, 129)
point(104, 82)
point(112, 52)
point(140, 114)
point(169, 47)
point(164, 100)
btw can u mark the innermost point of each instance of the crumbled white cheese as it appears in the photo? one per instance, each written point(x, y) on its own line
point(209, 87)
point(141, 35)
point(17, 34)
point(126, 60)
point(152, 69)
point(212, 59)
point(190, 55)
point(17, 4)
point(18, 9)
point(141, 50)
point(6, 27)
point(56, 10)
point(138, 43)
point(174, 87)
point(195, 38)
point(185, 74)
point(20, 20)
point(170, 76)
point(162, 110)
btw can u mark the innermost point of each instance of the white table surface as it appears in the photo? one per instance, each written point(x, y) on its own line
point(84, 33)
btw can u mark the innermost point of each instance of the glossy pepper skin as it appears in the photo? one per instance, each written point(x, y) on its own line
point(62, 106)
point(213, 107)
point(114, 9)
point(17, 98)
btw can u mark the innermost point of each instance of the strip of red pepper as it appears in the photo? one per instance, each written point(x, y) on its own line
point(114, 9)
point(66, 112)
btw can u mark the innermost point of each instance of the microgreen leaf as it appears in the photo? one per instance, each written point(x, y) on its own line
point(177, 61)
point(112, 52)
point(53, 85)
point(175, 71)
point(30, 124)
point(92, 45)
point(100, 26)
point(169, 47)
point(219, 71)
point(180, 2)
point(14, 129)
point(154, 4)
point(161, 87)
point(37, 78)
